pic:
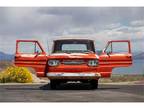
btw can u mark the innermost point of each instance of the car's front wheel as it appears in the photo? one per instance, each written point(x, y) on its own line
point(94, 84)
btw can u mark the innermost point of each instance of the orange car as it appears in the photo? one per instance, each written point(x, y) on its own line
point(73, 60)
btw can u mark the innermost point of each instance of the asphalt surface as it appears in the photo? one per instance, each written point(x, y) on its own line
point(72, 93)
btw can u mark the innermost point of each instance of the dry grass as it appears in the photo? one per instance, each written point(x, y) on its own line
point(122, 78)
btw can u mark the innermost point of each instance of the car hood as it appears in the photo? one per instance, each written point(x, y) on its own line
point(74, 55)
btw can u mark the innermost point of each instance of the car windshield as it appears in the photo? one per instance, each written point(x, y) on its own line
point(73, 46)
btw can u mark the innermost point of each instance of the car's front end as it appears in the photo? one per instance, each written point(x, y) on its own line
point(73, 60)
point(73, 66)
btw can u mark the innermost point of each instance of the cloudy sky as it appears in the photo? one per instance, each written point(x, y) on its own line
point(45, 24)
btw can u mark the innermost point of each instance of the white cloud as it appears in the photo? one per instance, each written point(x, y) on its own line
point(99, 24)
point(137, 23)
point(113, 26)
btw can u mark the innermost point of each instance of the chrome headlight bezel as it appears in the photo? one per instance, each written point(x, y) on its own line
point(53, 62)
point(93, 62)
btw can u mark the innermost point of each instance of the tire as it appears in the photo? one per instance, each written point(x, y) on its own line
point(94, 84)
point(53, 84)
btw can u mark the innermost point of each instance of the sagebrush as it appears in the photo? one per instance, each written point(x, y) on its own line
point(16, 74)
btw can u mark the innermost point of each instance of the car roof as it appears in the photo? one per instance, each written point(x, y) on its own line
point(73, 39)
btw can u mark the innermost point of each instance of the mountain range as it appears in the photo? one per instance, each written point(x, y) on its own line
point(4, 56)
point(139, 55)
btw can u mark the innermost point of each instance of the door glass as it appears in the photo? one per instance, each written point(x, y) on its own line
point(120, 47)
point(117, 47)
point(28, 47)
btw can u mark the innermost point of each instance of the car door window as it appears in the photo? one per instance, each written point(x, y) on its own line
point(120, 47)
point(28, 47)
point(117, 47)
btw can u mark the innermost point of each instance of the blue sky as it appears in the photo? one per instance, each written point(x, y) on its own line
point(45, 24)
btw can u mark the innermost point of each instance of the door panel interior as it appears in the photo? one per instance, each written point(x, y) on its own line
point(29, 53)
point(117, 54)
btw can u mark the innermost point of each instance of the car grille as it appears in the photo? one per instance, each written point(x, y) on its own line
point(73, 62)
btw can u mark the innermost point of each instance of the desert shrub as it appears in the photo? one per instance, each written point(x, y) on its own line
point(1, 77)
point(16, 74)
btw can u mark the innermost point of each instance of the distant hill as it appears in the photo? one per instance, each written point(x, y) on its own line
point(4, 56)
point(139, 56)
point(98, 52)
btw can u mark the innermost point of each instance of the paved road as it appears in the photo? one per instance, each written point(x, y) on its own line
point(71, 93)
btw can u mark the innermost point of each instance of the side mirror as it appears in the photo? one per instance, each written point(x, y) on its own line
point(38, 52)
point(108, 53)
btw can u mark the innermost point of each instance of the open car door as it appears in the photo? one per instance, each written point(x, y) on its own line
point(116, 54)
point(29, 53)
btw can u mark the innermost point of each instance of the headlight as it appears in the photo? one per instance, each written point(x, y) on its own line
point(53, 62)
point(93, 62)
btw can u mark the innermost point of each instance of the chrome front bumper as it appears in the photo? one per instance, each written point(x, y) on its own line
point(80, 75)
